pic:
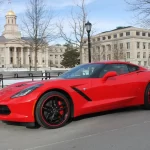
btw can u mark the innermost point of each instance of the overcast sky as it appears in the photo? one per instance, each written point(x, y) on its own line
point(104, 14)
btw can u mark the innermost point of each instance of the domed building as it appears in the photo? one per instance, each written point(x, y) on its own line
point(15, 50)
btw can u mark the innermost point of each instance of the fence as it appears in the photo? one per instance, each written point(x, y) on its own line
point(48, 74)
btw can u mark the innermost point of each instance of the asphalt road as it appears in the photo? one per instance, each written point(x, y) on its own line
point(127, 129)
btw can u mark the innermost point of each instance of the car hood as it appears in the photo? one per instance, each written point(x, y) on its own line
point(15, 88)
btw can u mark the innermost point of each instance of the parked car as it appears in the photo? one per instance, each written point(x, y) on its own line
point(85, 89)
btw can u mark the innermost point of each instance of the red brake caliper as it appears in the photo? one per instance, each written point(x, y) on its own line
point(60, 105)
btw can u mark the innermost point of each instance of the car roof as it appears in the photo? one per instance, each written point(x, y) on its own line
point(118, 62)
point(113, 62)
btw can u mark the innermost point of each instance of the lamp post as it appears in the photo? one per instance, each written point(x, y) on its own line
point(30, 62)
point(88, 27)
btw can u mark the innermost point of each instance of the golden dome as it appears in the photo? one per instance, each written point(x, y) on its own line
point(10, 13)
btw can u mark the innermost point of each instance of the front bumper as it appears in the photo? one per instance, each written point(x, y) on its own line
point(19, 109)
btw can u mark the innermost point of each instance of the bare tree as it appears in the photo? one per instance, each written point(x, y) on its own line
point(141, 8)
point(37, 24)
point(77, 26)
point(118, 51)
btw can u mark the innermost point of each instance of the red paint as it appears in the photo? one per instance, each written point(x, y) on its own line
point(115, 92)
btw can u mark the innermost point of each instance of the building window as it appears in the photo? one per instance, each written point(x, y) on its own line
point(103, 47)
point(127, 33)
point(98, 39)
point(84, 41)
point(104, 57)
point(93, 50)
point(109, 47)
point(2, 60)
point(121, 34)
point(121, 45)
point(109, 37)
point(56, 62)
point(43, 61)
point(137, 33)
point(144, 54)
point(148, 34)
point(104, 38)
point(144, 45)
point(145, 63)
point(138, 54)
point(128, 54)
point(139, 62)
point(115, 46)
point(128, 45)
point(115, 36)
point(148, 45)
point(109, 57)
point(93, 40)
point(143, 34)
point(138, 44)
point(56, 56)
point(11, 60)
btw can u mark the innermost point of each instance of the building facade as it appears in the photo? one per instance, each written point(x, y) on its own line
point(124, 43)
point(15, 50)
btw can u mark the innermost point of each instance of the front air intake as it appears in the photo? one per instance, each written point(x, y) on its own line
point(4, 110)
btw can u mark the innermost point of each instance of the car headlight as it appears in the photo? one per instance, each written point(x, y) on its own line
point(26, 91)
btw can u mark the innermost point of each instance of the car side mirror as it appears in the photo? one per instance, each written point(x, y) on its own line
point(109, 74)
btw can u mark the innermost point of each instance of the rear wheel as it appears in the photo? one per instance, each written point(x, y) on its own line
point(147, 97)
point(52, 110)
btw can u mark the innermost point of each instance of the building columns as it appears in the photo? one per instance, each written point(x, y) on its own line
point(7, 56)
point(22, 56)
point(15, 56)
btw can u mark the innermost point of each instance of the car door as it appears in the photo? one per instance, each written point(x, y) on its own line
point(117, 90)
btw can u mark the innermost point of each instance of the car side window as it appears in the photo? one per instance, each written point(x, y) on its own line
point(119, 68)
point(133, 68)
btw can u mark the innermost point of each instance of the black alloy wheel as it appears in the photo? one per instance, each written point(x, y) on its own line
point(52, 110)
point(147, 97)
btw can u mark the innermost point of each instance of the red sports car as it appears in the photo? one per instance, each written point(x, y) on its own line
point(85, 89)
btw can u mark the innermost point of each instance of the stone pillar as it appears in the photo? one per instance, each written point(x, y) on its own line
point(54, 59)
point(40, 58)
point(7, 56)
point(27, 56)
point(22, 57)
point(15, 56)
point(59, 60)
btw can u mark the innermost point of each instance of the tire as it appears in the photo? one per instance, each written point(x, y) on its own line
point(53, 110)
point(147, 97)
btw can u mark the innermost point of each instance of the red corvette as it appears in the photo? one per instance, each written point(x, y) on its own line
point(85, 89)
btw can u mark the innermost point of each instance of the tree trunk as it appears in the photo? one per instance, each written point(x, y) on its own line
point(35, 63)
point(81, 59)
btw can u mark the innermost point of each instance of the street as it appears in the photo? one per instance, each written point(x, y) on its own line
point(126, 129)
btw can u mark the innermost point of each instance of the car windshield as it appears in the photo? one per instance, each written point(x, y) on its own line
point(82, 71)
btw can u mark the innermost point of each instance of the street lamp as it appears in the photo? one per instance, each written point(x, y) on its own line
point(88, 27)
point(30, 62)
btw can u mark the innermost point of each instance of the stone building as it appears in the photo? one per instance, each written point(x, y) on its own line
point(130, 42)
point(15, 50)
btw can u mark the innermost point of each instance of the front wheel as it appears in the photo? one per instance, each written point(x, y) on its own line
point(147, 97)
point(52, 110)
